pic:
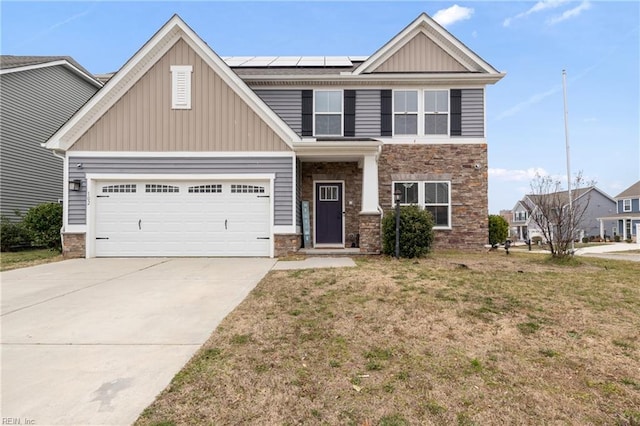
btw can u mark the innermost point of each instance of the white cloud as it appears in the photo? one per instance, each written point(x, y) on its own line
point(506, 175)
point(571, 13)
point(453, 14)
point(538, 7)
point(533, 99)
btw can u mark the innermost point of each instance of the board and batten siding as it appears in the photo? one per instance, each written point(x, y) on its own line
point(287, 104)
point(281, 166)
point(420, 55)
point(368, 113)
point(142, 120)
point(33, 105)
point(472, 113)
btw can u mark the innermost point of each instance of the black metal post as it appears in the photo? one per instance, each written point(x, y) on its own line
point(397, 195)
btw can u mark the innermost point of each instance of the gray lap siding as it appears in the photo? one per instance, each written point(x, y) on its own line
point(281, 166)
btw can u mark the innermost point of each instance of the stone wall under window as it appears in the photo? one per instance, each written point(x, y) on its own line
point(451, 162)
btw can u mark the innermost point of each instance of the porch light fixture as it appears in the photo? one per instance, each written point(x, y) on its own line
point(75, 185)
point(397, 195)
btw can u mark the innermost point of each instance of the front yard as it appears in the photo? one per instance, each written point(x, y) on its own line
point(449, 339)
point(25, 258)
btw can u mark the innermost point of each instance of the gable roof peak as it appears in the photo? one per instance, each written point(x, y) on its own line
point(442, 38)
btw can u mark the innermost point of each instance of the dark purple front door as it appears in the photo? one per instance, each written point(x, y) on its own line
point(329, 213)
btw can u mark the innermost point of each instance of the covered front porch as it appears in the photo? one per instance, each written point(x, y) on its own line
point(626, 226)
point(338, 194)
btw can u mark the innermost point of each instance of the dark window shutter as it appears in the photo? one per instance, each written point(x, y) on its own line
point(456, 112)
point(307, 113)
point(386, 106)
point(349, 113)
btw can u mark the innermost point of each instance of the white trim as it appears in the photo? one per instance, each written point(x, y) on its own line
point(62, 62)
point(341, 91)
point(417, 112)
point(182, 176)
point(142, 61)
point(181, 86)
point(285, 229)
point(181, 154)
point(421, 140)
point(376, 79)
point(421, 113)
point(315, 212)
point(75, 229)
point(294, 191)
point(624, 207)
point(93, 178)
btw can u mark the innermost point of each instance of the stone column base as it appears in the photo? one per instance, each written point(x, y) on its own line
point(286, 244)
point(73, 245)
point(370, 233)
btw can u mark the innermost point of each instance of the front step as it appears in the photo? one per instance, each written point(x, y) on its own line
point(331, 251)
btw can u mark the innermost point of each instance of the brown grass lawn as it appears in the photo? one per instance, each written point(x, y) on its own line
point(449, 339)
point(25, 258)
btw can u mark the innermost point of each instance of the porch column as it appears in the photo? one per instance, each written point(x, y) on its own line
point(624, 229)
point(601, 228)
point(370, 184)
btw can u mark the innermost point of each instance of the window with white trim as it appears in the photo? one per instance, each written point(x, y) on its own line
point(181, 86)
point(434, 196)
point(423, 112)
point(156, 188)
point(438, 202)
point(626, 205)
point(436, 112)
point(405, 112)
point(328, 107)
point(328, 193)
point(408, 192)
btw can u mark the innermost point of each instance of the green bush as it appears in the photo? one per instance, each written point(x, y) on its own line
point(498, 229)
point(13, 235)
point(416, 232)
point(616, 238)
point(585, 240)
point(44, 222)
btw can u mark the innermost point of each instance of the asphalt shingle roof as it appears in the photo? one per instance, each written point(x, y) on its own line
point(13, 61)
point(631, 192)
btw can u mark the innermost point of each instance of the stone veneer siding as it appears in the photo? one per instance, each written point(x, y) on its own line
point(73, 245)
point(338, 171)
point(450, 162)
point(370, 233)
point(286, 244)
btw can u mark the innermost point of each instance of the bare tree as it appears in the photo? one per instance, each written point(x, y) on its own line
point(558, 220)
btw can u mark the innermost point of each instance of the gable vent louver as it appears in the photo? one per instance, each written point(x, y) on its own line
point(181, 86)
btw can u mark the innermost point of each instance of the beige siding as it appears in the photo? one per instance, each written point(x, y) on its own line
point(420, 55)
point(142, 120)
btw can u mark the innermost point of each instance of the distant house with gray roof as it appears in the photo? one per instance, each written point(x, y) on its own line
point(38, 95)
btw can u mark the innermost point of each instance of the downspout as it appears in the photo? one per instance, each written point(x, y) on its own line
point(65, 179)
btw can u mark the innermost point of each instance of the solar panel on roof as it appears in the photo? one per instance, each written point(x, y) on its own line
point(337, 61)
point(286, 61)
point(311, 61)
point(236, 61)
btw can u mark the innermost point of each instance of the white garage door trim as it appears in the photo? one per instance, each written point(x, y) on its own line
point(94, 179)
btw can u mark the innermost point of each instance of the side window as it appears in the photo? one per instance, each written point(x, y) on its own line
point(328, 112)
point(436, 112)
point(405, 112)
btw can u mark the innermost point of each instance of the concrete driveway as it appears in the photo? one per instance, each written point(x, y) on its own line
point(93, 341)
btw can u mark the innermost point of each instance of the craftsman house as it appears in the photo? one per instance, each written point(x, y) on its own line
point(38, 95)
point(592, 200)
point(185, 153)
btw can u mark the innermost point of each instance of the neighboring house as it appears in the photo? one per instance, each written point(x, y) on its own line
point(184, 153)
point(38, 95)
point(627, 216)
point(599, 204)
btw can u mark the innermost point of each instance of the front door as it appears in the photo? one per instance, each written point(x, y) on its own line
point(329, 213)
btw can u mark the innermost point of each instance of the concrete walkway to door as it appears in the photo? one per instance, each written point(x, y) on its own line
point(93, 341)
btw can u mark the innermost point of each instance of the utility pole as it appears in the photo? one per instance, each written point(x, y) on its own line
point(566, 138)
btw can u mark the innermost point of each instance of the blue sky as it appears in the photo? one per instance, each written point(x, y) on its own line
point(597, 42)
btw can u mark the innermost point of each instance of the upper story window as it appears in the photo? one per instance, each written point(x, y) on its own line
point(626, 205)
point(436, 112)
point(421, 112)
point(405, 112)
point(328, 112)
point(519, 216)
point(181, 86)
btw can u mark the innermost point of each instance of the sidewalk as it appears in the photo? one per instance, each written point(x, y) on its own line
point(607, 248)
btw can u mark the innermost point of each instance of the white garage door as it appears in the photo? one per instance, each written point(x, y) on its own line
point(182, 219)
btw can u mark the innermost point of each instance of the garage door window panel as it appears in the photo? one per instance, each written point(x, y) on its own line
point(123, 188)
point(247, 189)
point(205, 189)
point(155, 188)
